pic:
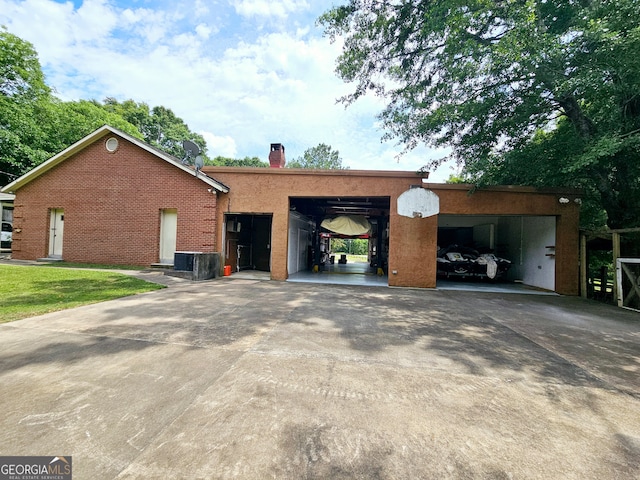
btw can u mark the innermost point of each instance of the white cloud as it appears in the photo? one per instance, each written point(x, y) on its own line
point(144, 26)
point(203, 31)
point(250, 87)
point(201, 9)
point(218, 146)
point(268, 8)
point(94, 19)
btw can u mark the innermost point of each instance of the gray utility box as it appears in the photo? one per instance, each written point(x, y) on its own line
point(196, 265)
point(183, 261)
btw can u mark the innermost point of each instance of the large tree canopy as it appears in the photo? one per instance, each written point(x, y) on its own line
point(496, 81)
point(35, 125)
point(24, 98)
point(20, 73)
point(237, 162)
point(322, 157)
point(159, 126)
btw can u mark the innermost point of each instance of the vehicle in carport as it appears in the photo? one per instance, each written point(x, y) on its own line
point(6, 235)
point(460, 261)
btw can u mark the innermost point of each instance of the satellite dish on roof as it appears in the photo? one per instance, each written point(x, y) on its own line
point(191, 151)
point(199, 162)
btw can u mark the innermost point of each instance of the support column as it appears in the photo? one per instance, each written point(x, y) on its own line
point(382, 227)
point(615, 240)
point(316, 247)
point(583, 265)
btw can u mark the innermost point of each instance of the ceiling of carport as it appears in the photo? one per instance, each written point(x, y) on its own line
point(328, 206)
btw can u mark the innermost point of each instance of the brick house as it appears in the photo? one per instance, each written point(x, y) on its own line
point(111, 198)
point(124, 202)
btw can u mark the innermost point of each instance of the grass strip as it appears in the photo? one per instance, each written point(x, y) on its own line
point(26, 291)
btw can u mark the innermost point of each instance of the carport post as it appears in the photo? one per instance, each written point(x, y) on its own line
point(615, 240)
point(382, 226)
point(583, 265)
point(316, 246)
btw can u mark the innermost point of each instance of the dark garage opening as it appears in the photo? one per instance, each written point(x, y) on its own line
point(248, 242)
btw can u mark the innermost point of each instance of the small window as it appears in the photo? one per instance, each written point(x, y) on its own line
point(111, 144)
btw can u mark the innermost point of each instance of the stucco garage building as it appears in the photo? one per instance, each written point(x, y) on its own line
point(111, 198)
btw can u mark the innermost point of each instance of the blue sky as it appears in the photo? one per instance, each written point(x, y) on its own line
point(242, 73)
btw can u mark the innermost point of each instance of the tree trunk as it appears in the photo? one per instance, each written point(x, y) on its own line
point(574, 113)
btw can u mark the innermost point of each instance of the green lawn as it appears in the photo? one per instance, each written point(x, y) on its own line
point(28, 291)
point(351, 258)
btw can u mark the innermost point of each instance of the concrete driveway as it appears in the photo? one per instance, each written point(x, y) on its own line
point(256, 379)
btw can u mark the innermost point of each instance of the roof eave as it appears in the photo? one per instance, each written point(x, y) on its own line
point(97, 134)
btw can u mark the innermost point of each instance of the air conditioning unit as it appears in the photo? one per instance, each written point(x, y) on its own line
point(233, 226)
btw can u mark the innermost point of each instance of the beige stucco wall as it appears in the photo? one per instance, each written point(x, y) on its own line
point(525, 201)
point(267, 191)
point(412, 241)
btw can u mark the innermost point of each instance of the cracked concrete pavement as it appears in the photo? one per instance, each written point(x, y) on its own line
point(240, 378)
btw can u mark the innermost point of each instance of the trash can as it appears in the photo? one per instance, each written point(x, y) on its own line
point(227, 270)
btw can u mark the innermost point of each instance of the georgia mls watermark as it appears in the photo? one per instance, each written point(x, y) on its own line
point(35, 468)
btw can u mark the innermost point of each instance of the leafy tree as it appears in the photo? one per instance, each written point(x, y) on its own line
point(159, 126)
point(238, 162)
point(457, 178)
point(338, 245)
point(321, 157)
point(71, 121)
point(359, 246)
point(35, 125)
point(355, 246)
point(499, 81)
point(21, 76)
point(549, 159)
point(24, 107)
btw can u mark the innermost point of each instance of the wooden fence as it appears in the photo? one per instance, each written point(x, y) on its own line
point(625, 290)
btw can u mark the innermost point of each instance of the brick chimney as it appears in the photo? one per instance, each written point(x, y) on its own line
point(276, 156)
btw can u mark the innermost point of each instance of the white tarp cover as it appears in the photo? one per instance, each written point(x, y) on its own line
point(347, 225)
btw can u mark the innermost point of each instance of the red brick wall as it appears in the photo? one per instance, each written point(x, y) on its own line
point(112, 207)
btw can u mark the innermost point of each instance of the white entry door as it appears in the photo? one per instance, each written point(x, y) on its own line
point(538, 240)
point(56, 233)
point(168, 235)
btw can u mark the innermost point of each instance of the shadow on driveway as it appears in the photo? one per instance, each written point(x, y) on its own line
point(255, 379)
